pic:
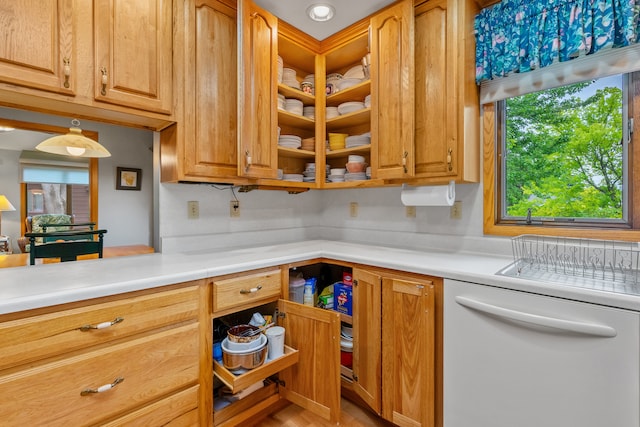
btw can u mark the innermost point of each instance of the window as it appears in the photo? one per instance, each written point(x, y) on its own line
point(560, 161)
point(563, 155)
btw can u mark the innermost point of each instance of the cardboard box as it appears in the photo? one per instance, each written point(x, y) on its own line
point(343, 298)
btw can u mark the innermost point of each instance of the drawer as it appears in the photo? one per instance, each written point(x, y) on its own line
point(177, 410)
point(150, 367)
point(34, 338)
point(243, 290)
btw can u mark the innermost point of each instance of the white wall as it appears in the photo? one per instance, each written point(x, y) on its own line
point(126, 215)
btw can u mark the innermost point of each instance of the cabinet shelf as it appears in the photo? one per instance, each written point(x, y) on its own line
point(294, 120)
point(359, 117)
point(242, 381)
point(353, 93)
point(297, 153)
point(363, 149)
point(290, 92)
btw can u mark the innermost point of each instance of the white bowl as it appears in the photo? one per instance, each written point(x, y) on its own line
point(356, 159)
point(337, 172)
point(243, 347)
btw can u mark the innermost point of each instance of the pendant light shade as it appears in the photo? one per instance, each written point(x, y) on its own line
point(73, 144)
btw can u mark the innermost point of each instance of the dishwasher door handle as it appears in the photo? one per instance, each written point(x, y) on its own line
point(585, 328)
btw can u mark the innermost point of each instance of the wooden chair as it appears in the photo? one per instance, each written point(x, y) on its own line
point(66, 244)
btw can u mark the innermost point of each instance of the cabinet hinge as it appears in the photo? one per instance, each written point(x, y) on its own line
point(630, 129)
point(355, 282)
point(277, 314)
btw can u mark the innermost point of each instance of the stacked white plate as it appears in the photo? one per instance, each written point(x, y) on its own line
point(367, 101)
point(358, 140)
point(350, 107)
point(357, 176)
point(368, 172)
point(294, 106)
point(355, 72)
point(280, 65)
point(311, 78)
point(347, 83)
point(290, 141)
point(332, 112)
point(281, 101)
point(309, 112)
point(298, 177)
point(289, 78)
point(336, 178)
point(280, 173)
point(354, 158)
point(309, 172)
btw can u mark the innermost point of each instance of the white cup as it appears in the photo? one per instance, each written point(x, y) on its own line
point(275, 335)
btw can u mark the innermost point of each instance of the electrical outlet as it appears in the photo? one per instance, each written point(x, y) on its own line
point(193, 209)
point(234, 209)
point(411, 211)
point(456, 210)
point(353, 209)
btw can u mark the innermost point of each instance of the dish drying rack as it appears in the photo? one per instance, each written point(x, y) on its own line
point(551, 258)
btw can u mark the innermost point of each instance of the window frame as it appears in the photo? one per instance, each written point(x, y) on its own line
point(492, 187)
point(93, 167)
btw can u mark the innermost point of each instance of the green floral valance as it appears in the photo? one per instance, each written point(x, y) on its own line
point(516, 36)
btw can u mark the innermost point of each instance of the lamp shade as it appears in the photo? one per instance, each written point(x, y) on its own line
point(73, 144)
point(5, 204)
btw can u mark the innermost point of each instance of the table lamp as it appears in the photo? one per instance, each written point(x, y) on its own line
point(5, 205)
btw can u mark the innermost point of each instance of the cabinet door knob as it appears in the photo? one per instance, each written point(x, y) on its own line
point(404, 161)
point(67, 71)
point(102, 388)
point(103, 90)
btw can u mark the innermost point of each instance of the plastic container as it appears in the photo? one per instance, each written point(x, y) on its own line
point(307, 297)
point(296, 290)
point(346, 352)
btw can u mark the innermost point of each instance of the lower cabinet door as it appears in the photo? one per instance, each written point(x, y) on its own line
point(91, 387)
point(314, 382)
point(408, 352)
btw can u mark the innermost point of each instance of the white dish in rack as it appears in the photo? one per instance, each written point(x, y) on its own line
point(350, 107)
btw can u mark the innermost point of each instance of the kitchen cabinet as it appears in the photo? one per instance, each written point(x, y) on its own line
point(397, 341)
point(258, 90)
point(447, 114)
point(202, 146)
point(308, 373)
point(49, 63)
point(397, 345)
point(392, 96)
point(133, 53)
point(409, 352)
point(72, 365)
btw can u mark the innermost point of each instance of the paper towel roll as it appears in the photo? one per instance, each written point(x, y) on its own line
point(437, 195)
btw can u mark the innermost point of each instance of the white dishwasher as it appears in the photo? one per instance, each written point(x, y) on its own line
point(516, 359)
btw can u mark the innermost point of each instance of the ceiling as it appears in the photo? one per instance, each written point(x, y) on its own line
point(294, 12)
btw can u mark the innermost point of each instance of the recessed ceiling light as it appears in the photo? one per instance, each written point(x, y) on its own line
point(321, 12)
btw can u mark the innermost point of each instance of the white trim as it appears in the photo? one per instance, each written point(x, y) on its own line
point(604, 63)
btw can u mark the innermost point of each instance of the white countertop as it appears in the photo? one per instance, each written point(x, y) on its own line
point(24, 288)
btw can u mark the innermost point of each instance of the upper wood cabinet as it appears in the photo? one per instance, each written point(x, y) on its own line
point(39, 45)
point(392, 96)
point(202, 145)
point(133, 53)
point(258, 91)
point(446, 106)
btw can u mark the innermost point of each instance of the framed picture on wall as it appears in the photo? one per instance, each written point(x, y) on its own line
point(128, 178)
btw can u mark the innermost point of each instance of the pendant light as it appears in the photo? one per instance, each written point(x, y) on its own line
point(73, 144)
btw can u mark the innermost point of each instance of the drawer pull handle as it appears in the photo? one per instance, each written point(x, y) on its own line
point(102, 388)
point(67, 71)
point(251, 291)
point(102, 325)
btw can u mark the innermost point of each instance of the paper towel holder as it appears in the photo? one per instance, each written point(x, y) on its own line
point(434, 195)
